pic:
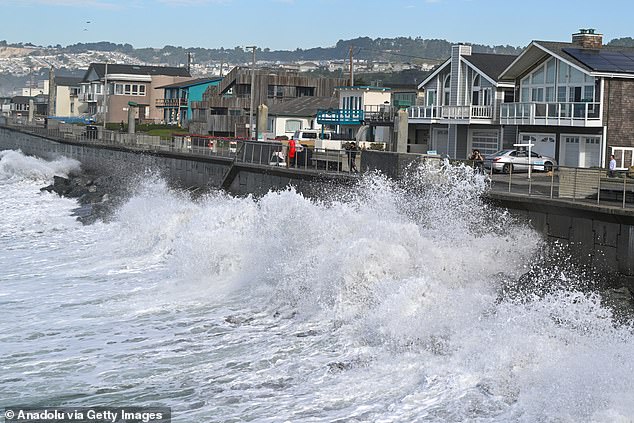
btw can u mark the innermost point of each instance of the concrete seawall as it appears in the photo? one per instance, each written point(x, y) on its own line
point(182, 169)
point(600, 237)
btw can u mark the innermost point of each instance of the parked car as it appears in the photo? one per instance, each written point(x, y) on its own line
point(517, 161)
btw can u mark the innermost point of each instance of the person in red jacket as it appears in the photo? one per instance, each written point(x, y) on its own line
point(291, 153)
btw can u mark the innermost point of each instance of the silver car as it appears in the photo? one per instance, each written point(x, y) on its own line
point(517, 161)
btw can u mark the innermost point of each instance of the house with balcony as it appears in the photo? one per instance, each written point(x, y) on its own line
point(461, 106)
point(226, 108)
point(20, 106)
point(297, 114)
point(178, 97)
point(573, 100)
point(364, 112)
point(127, 83)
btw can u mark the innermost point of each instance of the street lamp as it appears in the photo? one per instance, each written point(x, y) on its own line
point(105, 96)
point(251, 128)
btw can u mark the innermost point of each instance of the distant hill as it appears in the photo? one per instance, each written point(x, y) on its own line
point(401, 49)
point(19, 62)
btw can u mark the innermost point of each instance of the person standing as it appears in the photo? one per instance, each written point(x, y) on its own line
point(291, 153)
point(352, 157)
point(478, 160)
point(612, 166)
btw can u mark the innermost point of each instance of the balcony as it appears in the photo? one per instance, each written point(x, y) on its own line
point(582, 114)
point(90, 97)
point(340, 117)
point(451, 114)
point(171, 102)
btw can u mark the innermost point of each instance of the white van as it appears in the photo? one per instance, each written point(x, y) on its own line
point(309, 136)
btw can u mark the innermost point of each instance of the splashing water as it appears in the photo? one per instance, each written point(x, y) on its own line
point(380, 303)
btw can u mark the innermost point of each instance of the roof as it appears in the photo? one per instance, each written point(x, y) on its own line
point(21, 99)
point(303, 106)
point(492, 65)
point(363, 88)
point(588, 60)
point(489, 63)
point(191, 83)
point(115, 68)
point(68, 81)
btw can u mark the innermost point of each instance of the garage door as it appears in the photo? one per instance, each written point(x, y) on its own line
point(592, 154)
point(571, 151)
point(543, 144)
point(441, 141)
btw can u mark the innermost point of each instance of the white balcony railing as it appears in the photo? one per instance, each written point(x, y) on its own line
point(90, 97)
point(450, 112)
point(565, 114)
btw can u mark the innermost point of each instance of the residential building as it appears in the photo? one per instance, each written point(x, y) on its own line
point(461, 109)
point(66, 100)
point(20, 106)
point(5, 106)
point(297, 114)
point(178, 97)
point(226, 108)
point(362, 108)
point(42, 87)
point(573, 100)
point(128, 86)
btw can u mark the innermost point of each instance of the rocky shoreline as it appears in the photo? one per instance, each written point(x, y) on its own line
point(97, 195)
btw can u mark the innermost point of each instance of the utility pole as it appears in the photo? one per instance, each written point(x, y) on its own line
point(251, 128)
point(105, 96)
point(189, 62)
point(351, 69)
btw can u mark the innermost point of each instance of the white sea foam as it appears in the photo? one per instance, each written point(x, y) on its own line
point(381, 303)
point(15, 165)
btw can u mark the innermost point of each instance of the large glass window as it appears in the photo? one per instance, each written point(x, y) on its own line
point(293, 125)
point(570, 85)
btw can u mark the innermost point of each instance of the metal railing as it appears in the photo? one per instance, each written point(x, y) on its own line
point(254, 152)
point(96, 135)
point(171, 102)
point(580, 185)
point(574, 114)
point(276, 154)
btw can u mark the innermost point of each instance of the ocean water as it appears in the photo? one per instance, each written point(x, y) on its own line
point(382, 303)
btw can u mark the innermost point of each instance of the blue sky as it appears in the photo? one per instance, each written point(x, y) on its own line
point(291, 24)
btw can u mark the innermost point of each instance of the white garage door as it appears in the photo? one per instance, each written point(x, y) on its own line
point(592, 154)
point(543, 144)
point(571, 152)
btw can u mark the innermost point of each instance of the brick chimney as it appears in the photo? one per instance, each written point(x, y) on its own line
point(586, 38)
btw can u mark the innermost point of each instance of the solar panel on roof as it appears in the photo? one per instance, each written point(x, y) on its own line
point(603, 60)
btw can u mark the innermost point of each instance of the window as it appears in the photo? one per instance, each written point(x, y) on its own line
point(127, 89)
point(141, 89)
point(475, 94)
point(447, 90)
point(293, 125)
point(431, 97)
point(118, 89)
